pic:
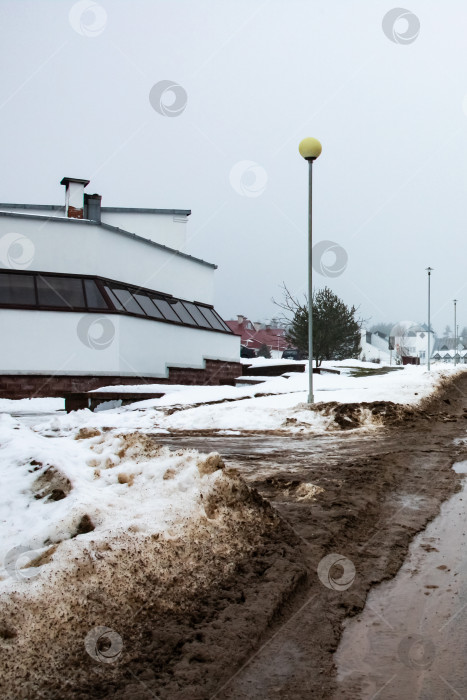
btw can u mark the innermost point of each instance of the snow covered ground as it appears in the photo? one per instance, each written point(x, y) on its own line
point(280, 403)
point(118, 479)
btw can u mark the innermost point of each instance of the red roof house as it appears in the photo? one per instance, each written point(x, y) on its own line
point(254, 335)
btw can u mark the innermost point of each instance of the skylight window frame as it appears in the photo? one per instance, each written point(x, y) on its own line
point(105, 288)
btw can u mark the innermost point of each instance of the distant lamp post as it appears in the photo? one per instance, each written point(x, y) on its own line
point(310, 149)
point(429, 270)
point(455, 332)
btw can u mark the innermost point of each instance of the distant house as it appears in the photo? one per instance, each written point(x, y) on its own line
point(448, 349)
point(93, 296)
point(374, 347)
point(410, 340)
point(254, 335)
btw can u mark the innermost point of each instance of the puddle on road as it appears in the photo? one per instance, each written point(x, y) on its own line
point(410, 641)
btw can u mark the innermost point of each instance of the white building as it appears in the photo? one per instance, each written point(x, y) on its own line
point(93, 296)
point(374, 347)
point(410, 340)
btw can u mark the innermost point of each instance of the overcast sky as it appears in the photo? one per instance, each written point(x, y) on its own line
point(389, 105)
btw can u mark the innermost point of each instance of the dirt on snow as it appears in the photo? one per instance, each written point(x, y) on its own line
point(241, 608)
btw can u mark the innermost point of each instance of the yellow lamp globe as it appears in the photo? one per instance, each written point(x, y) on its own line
point(310, 148)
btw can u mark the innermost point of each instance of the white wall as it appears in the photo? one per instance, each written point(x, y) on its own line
point(68, 343)
point(84, 248)
point(166, 229)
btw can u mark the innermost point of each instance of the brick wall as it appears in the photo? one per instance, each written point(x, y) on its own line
point(20, 386)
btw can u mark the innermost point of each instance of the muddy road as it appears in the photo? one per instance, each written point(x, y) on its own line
point(410, 639)
point(355, 500)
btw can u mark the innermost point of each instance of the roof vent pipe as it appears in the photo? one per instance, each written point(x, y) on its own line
point(92, 207)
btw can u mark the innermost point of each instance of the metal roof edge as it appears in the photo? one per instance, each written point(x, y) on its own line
point(147, 210)
point(122, 210)
point(43, 217)
point(53, 207)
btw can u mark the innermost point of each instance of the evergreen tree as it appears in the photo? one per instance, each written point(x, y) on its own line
point(336, 330)
point(264, 351)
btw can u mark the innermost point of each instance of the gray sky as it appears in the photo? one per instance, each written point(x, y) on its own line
point(390, 186)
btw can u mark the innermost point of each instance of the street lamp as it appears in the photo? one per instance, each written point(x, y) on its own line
point(455, 332)
point(429, 270)
point(310, 149)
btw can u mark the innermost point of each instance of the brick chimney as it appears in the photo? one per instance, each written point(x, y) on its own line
point(74, 197)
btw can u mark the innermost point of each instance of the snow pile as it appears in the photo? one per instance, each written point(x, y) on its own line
point(105, 483)
point(289, 410)
point(114, 482)
point(100, 527)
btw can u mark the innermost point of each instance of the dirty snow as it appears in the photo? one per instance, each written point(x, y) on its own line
point(98, 533)
point(119, 483)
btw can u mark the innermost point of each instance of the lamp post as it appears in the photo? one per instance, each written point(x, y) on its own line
point(310, 149)
point(455, 332)
point(429, 270)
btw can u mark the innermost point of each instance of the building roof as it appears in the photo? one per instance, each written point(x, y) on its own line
point(273, 337)
point(419, 328)
point(445, 344)
point(120, 210)
point(109, 227)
